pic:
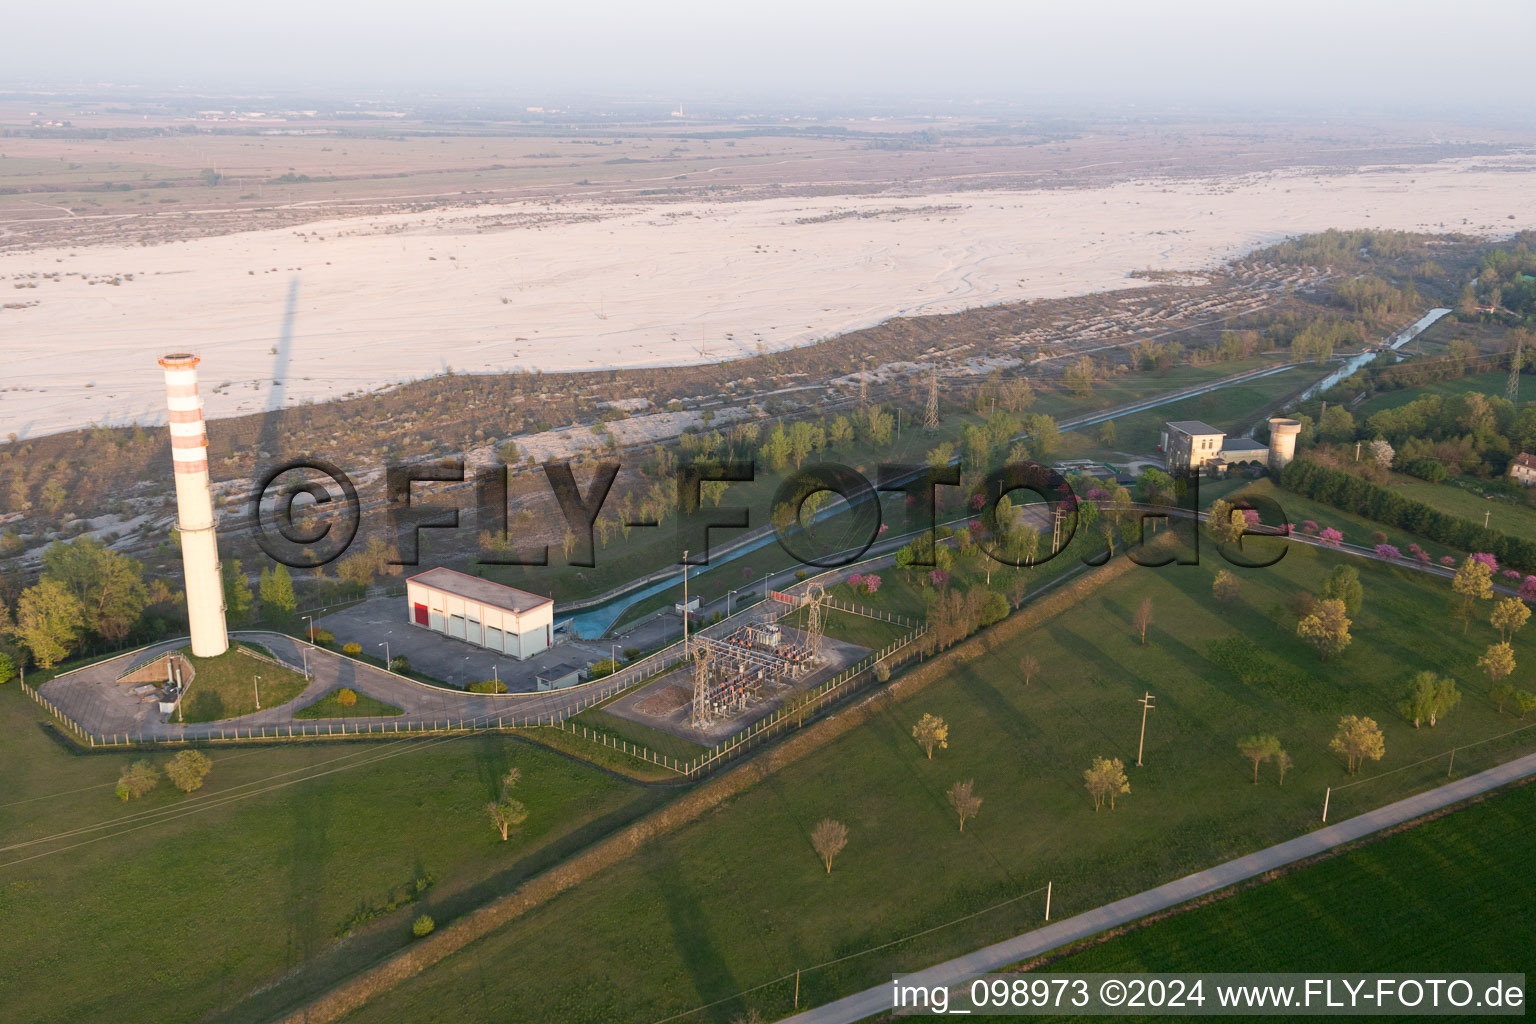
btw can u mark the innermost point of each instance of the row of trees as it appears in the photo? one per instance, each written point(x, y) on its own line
point(186, 770)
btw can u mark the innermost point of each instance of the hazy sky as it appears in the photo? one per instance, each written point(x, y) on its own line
point(1361, 51)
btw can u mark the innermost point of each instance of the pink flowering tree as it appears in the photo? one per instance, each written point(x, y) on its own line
point(1422, 556)
point(978, 502)
point(1487, 559)
point(856, 580)
point(1252, 515)
point(871, 583)
point(1528, 588)
point(1513, 575)
point(1388, 551)
point(1447, 561)
point(1309, 527)
point(1331, 537)
point(938, 577)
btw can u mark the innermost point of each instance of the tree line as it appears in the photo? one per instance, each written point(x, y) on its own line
point(1351, 493)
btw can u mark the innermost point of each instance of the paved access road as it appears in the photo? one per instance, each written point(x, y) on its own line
point(1042, 940)
point(92, 697)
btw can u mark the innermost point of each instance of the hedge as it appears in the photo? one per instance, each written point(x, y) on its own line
point(1351, 493)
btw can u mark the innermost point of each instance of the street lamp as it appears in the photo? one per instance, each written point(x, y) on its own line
point(387, 660)
point(256, 685)
point(304, 651)
point(728, 596)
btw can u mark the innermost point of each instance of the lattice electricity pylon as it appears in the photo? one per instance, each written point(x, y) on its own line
point(931, 414)
point(814, 624)
point(1512, 392)
point(701, 709)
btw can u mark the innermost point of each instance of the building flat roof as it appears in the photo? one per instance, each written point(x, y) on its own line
point(1194, 427)
point(1243, 444)
point(557, 671)
point(451, 581)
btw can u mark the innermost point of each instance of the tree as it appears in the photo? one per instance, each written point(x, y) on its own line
point(1326, 628)
point(1525, 702)
point(188, 769)
point(1498, 661)
point(136, 780)
point(1509, 615)
point(423, 926)
point(237, 593)
point(49, 621)
point(930, 732)
point(828, 838)
point(1029, 665)
point(276, 589)
point(1429, 697)
point(1502, 694)
point(1357, 739)
point(1225, 587)
point(1259, 749)
point(1143, 618)
point(965, 802)
point(1105, 780)
point(108, 584)
point(1226, 522)
point(346, 697)
point(1473, 582)
point(1107, 434)
point(1283, 764)
point(1044, 435)
point(505, 812)
point(1343, 584)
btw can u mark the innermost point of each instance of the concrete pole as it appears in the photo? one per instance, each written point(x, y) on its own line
point(194, 507)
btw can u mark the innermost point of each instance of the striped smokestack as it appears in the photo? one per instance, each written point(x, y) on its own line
point(194, 507)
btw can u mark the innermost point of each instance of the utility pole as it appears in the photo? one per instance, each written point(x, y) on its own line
point(256, 685)
point(685, 603)
point(1048, 900)
point(1326, 795)
point(931, 414)
point(1487, 514)
point(1146, 705)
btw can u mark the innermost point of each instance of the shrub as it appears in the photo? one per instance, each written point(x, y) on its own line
point(137, 779)
point(7, 668)
point(351, 650)
point(631, 653)
point(400, 663)
point(322, 637)
point(346, 697)
point(487, 686)
point(423, 926)
point(883, 672)
point(188, 769)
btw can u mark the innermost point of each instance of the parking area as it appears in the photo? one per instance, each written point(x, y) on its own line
point(381, 621)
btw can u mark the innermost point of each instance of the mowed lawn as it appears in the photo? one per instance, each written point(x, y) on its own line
point(1463, 496)
point(738, 899)
point(1434, 898)
point(178, 907)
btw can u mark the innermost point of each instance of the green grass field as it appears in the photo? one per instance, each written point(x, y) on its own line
point(227, 686)
point(1434, 898)
point(738, 899)
point(329, 707)
point(179, 907)
point(1463, 496)
point(1234, 409)
point(1492, 384)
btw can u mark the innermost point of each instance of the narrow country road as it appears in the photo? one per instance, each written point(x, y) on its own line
point(1053, 936)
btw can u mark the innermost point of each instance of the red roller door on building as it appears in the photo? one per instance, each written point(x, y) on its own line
point(421, 615)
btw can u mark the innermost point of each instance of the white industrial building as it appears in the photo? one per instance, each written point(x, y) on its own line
point(484, 613)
